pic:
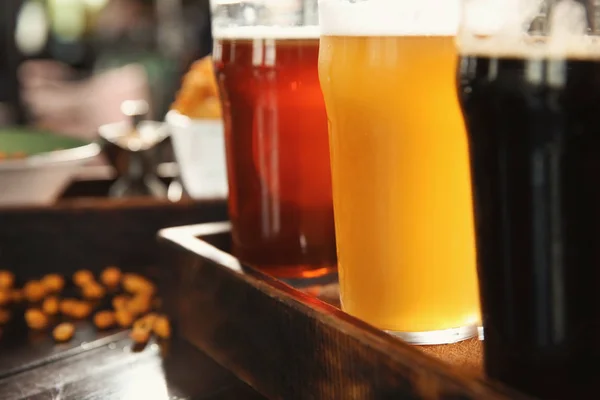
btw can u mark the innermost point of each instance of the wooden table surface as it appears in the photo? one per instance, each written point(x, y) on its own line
point(104, 366)
point(167, 372)
point(100, 365)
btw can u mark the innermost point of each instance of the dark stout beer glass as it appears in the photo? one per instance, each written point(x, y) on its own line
point(529, 86)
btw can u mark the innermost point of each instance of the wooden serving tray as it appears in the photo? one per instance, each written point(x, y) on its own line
point(289, 344)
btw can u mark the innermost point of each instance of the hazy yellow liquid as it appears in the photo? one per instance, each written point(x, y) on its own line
point(401, 183)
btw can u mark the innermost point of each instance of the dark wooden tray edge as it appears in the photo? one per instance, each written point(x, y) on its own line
point(360, 362)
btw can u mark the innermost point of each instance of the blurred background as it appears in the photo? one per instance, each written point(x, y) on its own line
point(67, 65)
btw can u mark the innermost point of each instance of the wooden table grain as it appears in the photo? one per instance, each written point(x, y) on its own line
point(171, 371)
point(466, 356)
point(91, 234)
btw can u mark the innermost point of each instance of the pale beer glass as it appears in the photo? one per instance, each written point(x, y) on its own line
point(400, 167)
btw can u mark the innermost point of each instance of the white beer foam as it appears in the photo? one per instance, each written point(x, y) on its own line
point(266, 32)
point(389, 17)
point(495, 28)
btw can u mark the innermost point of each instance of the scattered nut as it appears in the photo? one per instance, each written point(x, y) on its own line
point(82, 277)
point(104, 319)
point(34, 291)
point(81, 310)
point(53, 283)
point(140, 304)
point(150, 318)
point(67, 306)
point(7, 279)
point(111, 276)
point(162, 327)
point(36, 319)
point(131, 309)
point(51, 305)
point(124, 318)
point(119, 302)
point(146, 322)
point(5, 316)
point(63, 332)
point(134, 283)
point(93, 291)
point(140, 335)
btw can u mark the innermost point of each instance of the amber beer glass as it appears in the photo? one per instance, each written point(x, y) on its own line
point(277, 145)
point(401, 184)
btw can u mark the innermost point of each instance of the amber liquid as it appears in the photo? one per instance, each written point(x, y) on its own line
point(277, 155)
point(401, 182)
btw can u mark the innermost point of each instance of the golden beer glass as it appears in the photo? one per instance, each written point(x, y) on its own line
point(400, 167)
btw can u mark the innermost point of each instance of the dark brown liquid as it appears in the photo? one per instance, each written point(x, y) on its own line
point(278, 156)
point(534, 133)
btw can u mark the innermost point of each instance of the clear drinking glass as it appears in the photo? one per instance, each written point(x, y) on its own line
point(529, 85)
point(280, 203)
point(400, 168)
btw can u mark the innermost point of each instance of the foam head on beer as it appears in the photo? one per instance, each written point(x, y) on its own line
point(501, 27)
point(389, 17)
point(266, 32)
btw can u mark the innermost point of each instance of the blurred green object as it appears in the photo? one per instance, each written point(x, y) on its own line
point(31, 142)
point(49, 164)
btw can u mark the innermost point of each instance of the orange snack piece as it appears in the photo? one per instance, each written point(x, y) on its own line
point(34, 291)
point(36, 319)
point(7, 279)
point(51, 305)
point(104, 319)
point(134, 283)
point(111, 276)
point(140, 304)
point(124, 318)
point(67, 306)
point(53, 283)
point(120, 302)
point(198, 97)
point(81, 310)
point(93, 291)
point(63, 332)
point(162, 327)
point(82, 277)
point(140, 335)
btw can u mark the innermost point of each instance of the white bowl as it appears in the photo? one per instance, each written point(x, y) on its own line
point(200, 151)
point(39, 180)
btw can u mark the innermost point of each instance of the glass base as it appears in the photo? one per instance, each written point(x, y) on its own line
point(480, 332)
point(306, 282)
point(446, 336)
point(299, 276)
